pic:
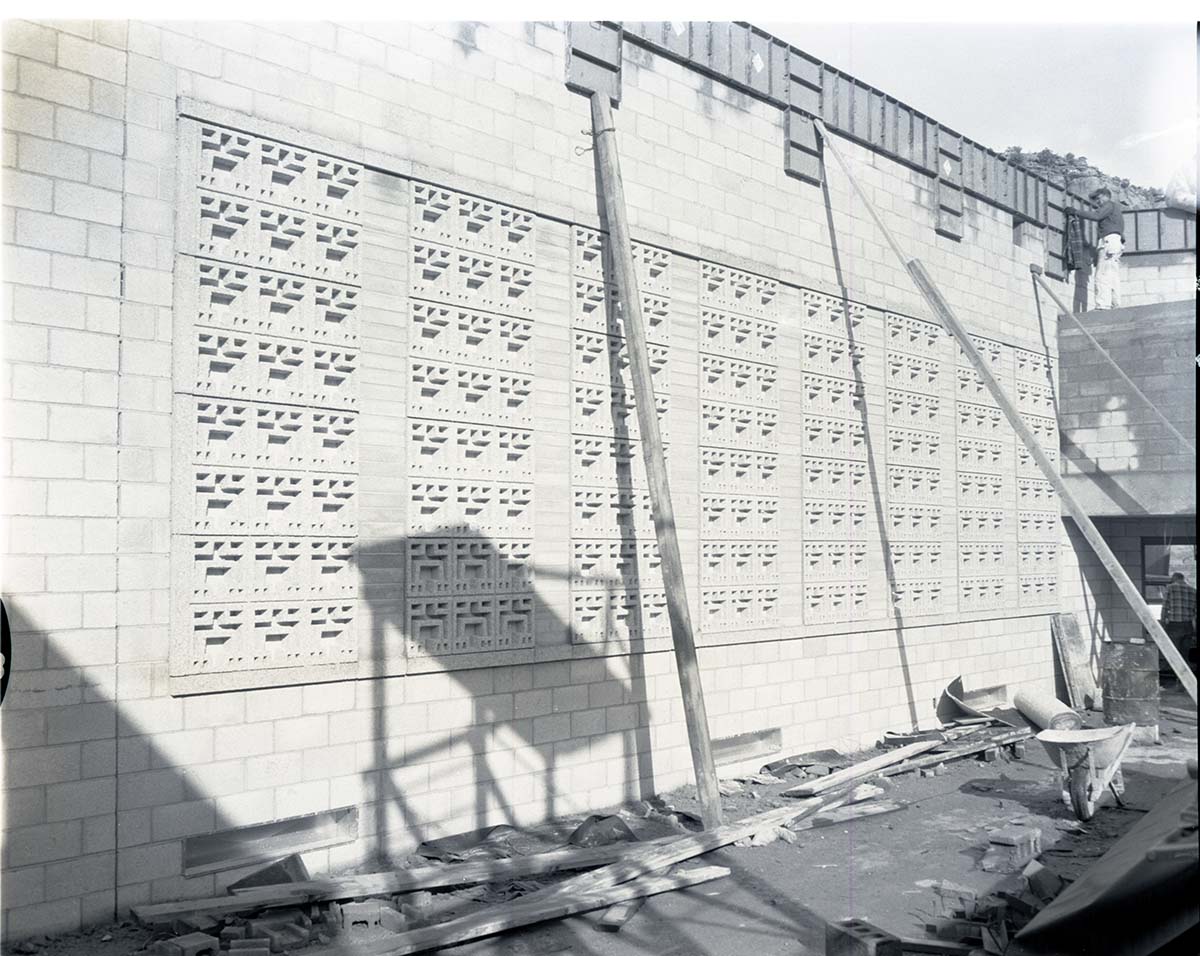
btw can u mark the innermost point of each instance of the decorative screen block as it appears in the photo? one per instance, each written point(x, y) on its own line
point(982, 420)
point(736, 291)
point(837, 397)
point(1036, 589)
point(912, 447)
point(913, 598)
point(982, 454)
point(268, 366)
point(605, 360)
point(465, 393)
point(472, 223)
point(470, 508)
point(1037, 558)
point(750, 472)
point(1035, 494)
point(732, 562)
point(830, 314)
point(970, 387)
point(1034, 367)
point(738, 608)
point(441, 448)
point(836, 561)
point(983, 558)
point(915, 522)
point(913, 409)
point(983, 490)
point(836, 603)
point(834, 519)
point(918, 559)
point(451, 334)
point(727, 425)
point(915, 336)
point(612, 412)
point(831, 356)
point(835, 478)
point(983, 523)
point(1027, 467)
point(739, 336)
point(1036, 399)
point(460, 625)
point(914, 373)
point(597, 309)
point(982, 594)
point(601, 513)
point(833, 438)
point(651, 264)
point(910, 483)
point(629, 565)
point(622, 616)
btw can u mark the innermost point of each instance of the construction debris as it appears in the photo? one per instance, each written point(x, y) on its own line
point(615, 917)
point(601, 831)
point(856, 937)
point(1011, 848)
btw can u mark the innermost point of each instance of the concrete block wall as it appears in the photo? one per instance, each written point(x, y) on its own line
point(106, 771)
point(1158, 277)
point(1118, 456)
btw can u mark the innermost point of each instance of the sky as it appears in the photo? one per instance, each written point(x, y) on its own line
point(1095, 91)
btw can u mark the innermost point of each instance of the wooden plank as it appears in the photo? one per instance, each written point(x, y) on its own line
point(615, 917)
point(533, 908)
point(1075, 656)
point(830, 818)
point(463, 874)
point(612, 195)
point(957, 753)
point(866, 768)
point(154, 914)
point(943, 312)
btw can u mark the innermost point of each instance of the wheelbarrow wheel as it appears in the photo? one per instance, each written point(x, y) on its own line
point(1079, 784)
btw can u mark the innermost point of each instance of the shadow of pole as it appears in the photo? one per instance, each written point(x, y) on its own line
point(872, 468)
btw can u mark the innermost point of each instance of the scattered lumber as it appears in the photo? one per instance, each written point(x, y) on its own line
point(615, 917)
point(536, 907)
point(866, 768)
point(857, 811)
point(393, 881)
point(966, 749)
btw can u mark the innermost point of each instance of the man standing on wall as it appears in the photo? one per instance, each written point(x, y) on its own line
point(1111, 217)
point(1178, 616)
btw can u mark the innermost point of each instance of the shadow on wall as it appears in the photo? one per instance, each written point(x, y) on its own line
point(94, 809)
point(553, 725)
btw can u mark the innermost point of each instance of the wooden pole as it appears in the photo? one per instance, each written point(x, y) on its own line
point(946, 316)
point(1037, 276)
point(612, 194)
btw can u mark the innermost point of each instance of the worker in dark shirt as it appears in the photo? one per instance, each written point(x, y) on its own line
point(1111, 219)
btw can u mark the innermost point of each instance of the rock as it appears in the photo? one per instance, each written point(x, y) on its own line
point(765, 837)
point(864, 791)
point(727, 788)
point(26, 947)
point(1011, 848)
point(818, 770)
point(788, 837)
point(1042, 881)
point(106, 938)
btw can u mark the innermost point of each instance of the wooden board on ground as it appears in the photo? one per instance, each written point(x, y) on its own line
point(857, 811)
point(966, 749)
point(395, 881)
point(534, 908)
point(865, 768)
point(1076, 655)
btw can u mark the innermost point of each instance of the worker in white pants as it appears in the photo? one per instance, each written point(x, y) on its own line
point(1111, 218)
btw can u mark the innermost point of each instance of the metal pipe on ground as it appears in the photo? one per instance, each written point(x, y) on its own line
point(941, 309)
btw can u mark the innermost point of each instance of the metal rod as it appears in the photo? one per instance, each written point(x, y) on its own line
point(945, 314)
point(1040, 280)
point(612, 194)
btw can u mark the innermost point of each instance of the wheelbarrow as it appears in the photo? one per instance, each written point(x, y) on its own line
point(1091, 763)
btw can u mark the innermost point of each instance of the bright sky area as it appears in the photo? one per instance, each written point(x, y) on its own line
point(1123, 95)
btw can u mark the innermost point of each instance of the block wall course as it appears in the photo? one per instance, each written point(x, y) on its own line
point(561, 722)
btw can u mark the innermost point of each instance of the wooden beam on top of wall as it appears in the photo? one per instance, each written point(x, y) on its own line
point(612, 195)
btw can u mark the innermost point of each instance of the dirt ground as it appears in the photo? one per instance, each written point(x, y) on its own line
point(778, 897)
